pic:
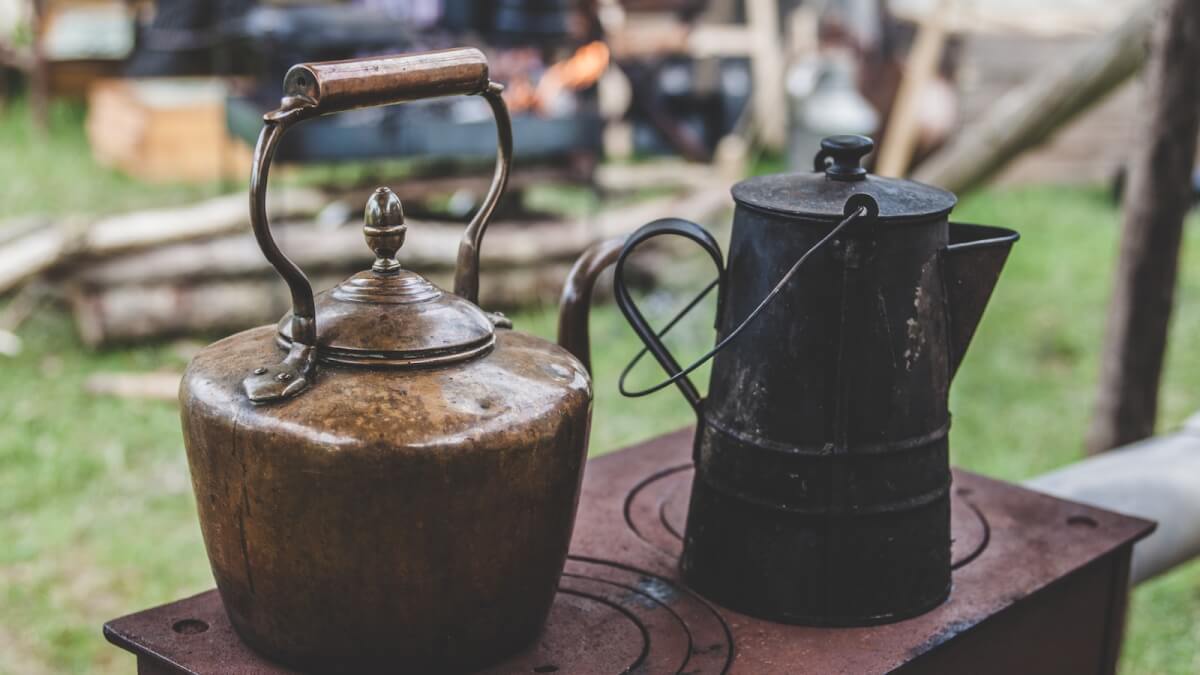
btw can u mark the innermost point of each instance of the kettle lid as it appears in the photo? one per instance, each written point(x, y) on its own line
point(837, 175)
point(391, 316)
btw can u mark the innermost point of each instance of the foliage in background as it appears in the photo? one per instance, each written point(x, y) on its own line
point(96, 511)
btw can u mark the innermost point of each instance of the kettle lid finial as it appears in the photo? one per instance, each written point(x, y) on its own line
point(384, 229)
point(389, 315)
point(846, 152)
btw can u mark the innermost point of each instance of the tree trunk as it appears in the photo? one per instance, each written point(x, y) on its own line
point(1156, 202)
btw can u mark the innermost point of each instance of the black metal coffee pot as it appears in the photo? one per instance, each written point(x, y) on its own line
point(822, 486)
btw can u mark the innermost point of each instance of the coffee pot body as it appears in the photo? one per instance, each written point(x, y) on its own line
point(822, 482)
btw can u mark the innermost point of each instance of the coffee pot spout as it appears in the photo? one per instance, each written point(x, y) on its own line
point(974, 259)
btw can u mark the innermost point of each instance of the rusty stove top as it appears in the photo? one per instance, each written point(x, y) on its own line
point(622, 609)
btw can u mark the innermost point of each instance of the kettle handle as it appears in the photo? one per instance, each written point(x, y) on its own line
point(315, 89)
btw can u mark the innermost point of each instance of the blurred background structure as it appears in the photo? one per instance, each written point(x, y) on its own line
point(125, 133)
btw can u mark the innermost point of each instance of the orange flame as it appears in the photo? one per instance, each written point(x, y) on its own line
point(579, 71)
point(582, 70)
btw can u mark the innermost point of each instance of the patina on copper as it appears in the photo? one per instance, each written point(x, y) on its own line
point(390, 475)
point(822, 486)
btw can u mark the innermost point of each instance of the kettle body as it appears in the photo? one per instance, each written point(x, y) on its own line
point(821, 493)
point(390, 474)
point(381, 517)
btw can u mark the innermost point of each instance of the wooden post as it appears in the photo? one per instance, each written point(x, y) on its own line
point(1156, 202)
point(39, 76)
point(769, 102)
point(900, 138)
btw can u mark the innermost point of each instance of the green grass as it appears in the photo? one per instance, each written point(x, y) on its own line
point(96, 512)
point(54, 173)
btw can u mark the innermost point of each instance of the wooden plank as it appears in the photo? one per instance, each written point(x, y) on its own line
point(29, 255)
point(900, 137)
point(164, 129)
point(1157, 200)
point(769, 100)
point(1030, 114)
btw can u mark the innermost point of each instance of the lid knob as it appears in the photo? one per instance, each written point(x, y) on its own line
point(384, 228)
point(846, 152)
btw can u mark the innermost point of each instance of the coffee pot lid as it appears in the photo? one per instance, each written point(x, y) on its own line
point(391, 316)
point(838, 174)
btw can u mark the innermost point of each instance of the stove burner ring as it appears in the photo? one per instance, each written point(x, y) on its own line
point(610, 617)
point(656, 511)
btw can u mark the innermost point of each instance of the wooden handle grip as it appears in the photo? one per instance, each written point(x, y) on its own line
point(334, 86)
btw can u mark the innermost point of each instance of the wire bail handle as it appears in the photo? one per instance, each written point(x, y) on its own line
point(859, 207)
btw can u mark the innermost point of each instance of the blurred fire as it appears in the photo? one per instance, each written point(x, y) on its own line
point(579, 71)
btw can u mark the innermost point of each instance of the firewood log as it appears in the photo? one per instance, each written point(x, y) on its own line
point(127, 313)
point(429, 245)
point(42, 248)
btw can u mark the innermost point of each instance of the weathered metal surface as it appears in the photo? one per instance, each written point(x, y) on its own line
point(823, 193)
point(972, 264)
point(402, 486)
point(822, 489)
point(391, 316)
point(1039, 589)
point(419, 516)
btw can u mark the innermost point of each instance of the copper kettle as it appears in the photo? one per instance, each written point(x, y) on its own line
point(389, 475)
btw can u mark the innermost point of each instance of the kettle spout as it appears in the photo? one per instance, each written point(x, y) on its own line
point(973, 261)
